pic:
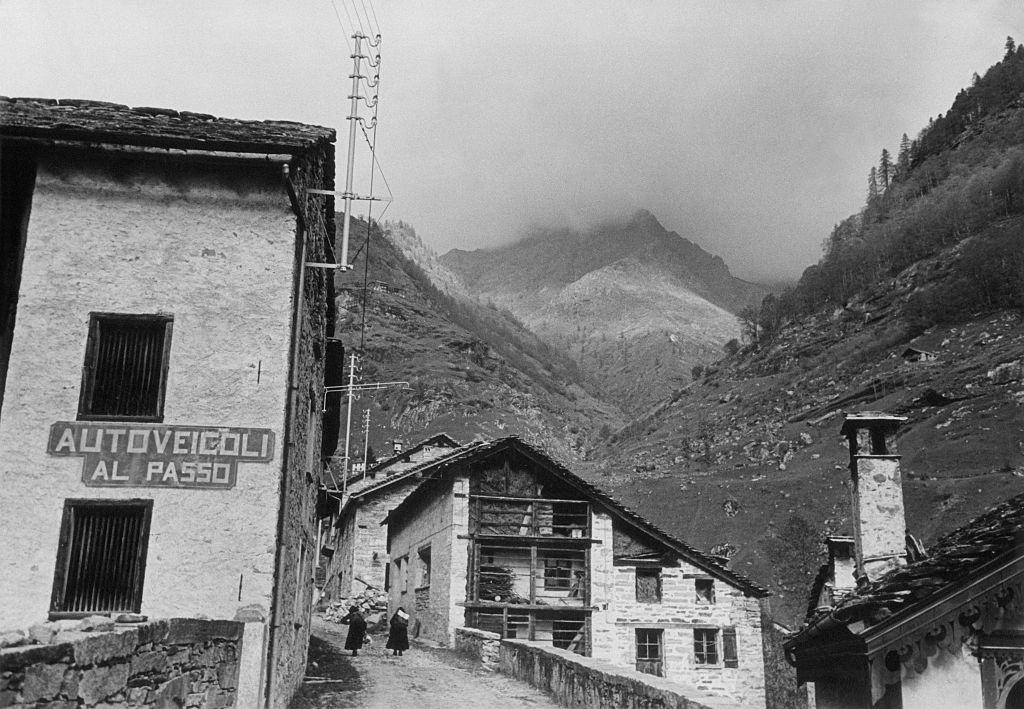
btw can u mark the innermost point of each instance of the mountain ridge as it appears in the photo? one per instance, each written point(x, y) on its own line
point(634, 304)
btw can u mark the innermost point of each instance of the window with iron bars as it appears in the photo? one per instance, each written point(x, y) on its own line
point(101, 557)
point(125, 372)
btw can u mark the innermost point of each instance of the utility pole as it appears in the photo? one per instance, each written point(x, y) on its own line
point(348, 196)
point(350, 389)
point(348, 417)
point(353, 118)
point(366, 440)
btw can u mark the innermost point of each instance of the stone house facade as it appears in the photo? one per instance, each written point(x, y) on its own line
point(916, 629)
point(162, 347)
point(502, 538)
point(357, 544)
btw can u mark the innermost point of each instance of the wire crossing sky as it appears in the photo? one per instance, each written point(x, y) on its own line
point(748, 127)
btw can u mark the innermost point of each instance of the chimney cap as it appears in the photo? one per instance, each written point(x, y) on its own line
point(837, 544)
point(871, 419)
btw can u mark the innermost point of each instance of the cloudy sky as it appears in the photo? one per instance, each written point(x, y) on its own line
point(748, 127)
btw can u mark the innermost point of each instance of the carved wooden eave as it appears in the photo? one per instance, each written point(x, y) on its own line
point(970, 617)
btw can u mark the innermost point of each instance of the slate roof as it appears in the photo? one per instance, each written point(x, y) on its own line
point(691, 554)
point(381, 464)
point(953, 559)
point(101, 122)
point(414, 470)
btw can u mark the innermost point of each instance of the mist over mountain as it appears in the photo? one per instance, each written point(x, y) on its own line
point(637, 306)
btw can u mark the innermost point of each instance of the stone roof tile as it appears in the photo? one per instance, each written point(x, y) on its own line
point(104, 122)
point(954, 558)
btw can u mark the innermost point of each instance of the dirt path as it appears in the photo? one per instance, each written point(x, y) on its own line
point(423, 678)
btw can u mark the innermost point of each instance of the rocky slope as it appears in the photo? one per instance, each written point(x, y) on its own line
point(472, 371)
point(750, 456)
point(637, 306)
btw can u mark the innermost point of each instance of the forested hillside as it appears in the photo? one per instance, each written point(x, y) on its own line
point(749, 458)
point(961, 177)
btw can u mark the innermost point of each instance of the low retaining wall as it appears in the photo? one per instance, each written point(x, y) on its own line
point(183, 662)
point(577, 681)
point(481, 645)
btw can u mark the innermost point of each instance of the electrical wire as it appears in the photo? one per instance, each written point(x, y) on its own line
point(375, 17)
point(376, 32)
point(391, 194)
point(342, 26)
point(369, 223)
point(359, 19)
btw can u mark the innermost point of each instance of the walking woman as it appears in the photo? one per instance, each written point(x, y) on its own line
point(356, 630)
point(398, 633)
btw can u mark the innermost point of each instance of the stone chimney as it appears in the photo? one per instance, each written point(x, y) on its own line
point(879, 525)
point(841, 577)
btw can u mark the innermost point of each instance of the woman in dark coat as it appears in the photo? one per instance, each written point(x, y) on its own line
point(356, 630)
point(398, 633)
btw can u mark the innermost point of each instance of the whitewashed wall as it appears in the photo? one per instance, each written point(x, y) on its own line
point(220, 260)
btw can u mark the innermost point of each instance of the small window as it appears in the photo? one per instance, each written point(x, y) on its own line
point(424, 555)
point(557, 575)
point(729, 649)
point(387, 577)
point(705, 646)
point(125, 373)
point(649, 652)
point(648, 585)
point(402, 569)
point(705, 590)
point(101, 558)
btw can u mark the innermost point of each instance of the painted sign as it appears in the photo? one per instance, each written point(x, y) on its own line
point(154, 455)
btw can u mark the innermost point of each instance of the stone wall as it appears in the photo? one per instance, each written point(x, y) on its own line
point(429, 527)
point(182, 662)
point(577, 681)
point(481, 645)
point(302, 473)
point(678, 613)
point(440, 520)
point(364, 546)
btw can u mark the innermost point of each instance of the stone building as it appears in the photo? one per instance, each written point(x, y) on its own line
point(162, 347)
point(357, 556)
point(500, 537)
point(916, 629)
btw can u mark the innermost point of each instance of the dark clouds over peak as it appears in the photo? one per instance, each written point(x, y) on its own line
point(748, 127)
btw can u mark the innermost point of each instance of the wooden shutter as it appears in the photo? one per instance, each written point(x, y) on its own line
point(648, 585)
point(729, 649)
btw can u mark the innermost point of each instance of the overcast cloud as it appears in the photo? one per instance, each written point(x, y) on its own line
point(748, 127)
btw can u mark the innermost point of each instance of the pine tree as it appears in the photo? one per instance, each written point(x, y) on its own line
point(1011, 47)
point(872, 186)
point(903, 158)
point(884, 170)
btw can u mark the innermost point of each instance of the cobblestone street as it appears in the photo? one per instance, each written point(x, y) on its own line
point(423, 678)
